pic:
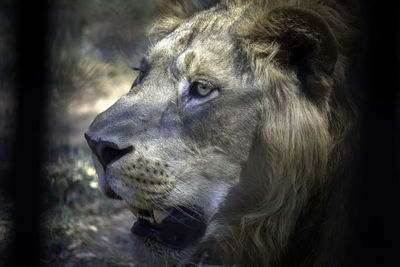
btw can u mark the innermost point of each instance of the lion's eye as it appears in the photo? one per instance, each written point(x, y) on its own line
point(139, 78)
point(201, 88)
point(142, 72)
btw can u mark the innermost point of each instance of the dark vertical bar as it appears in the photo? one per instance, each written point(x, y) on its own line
point(377, 225)
point(31, 84)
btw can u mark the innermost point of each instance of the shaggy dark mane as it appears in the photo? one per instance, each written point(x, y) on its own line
point(284, 210)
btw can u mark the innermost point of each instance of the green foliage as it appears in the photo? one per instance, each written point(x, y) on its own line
point(75, 203)
point(72, 178)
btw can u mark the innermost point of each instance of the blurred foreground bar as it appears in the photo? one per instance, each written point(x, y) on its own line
point(32, 64)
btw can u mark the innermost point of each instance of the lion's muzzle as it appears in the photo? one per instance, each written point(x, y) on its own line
point(175, 227)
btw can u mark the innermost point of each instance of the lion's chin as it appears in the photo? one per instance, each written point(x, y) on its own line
point(170, 241)
point(150, 253)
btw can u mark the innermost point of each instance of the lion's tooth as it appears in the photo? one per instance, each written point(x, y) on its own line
point(134, 210)
point(160, 215)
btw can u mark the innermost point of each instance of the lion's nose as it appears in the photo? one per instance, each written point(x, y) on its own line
point(106, 151)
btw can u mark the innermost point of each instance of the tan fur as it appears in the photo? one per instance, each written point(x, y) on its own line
point(268, 149)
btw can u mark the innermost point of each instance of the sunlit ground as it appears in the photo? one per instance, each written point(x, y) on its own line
point(85, 228)
point(107, 83)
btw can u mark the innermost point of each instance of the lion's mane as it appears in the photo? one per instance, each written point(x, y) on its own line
point(283, 214)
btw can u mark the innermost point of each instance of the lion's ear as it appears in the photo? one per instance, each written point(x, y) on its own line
point(182, 8)
point(306, 44)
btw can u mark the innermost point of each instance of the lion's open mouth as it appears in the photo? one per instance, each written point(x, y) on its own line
point(175, 228)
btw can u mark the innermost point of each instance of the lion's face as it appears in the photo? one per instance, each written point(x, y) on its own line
point(227, 131)
point(174, 145)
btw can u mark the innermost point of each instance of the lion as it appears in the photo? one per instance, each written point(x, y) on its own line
point(231, 142)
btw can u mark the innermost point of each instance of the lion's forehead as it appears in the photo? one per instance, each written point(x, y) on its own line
point(207, 33)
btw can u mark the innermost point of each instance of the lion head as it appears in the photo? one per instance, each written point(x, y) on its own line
point(231, 131)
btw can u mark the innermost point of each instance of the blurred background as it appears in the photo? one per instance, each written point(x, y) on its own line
point(93, 46)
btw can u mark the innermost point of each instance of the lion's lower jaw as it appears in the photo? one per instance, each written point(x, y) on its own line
point(149, 253)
